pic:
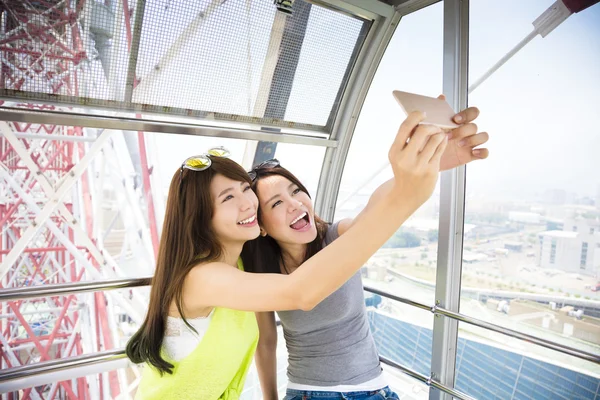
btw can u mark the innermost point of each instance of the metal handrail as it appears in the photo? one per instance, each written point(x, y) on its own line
point(52, 366)
point(80, 287)
point(436, 310)
point(62, 289)
point(429, 381)
point(45, 367)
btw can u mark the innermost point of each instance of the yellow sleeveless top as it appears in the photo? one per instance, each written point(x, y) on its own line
point(217, 367)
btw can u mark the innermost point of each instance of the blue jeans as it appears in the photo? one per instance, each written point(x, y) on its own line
point(381, 394)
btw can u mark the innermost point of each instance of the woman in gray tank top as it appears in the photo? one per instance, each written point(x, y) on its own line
point(331, 352)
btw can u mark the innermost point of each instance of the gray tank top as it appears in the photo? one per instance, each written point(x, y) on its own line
point(331, 344)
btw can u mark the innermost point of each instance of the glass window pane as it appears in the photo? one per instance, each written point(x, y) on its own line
point(58, 327)
point(406, 265)
point(303, 161)
point(530, 248)
point(493, 366)
point(102, 219)
point(402, 334)
point(405, 386)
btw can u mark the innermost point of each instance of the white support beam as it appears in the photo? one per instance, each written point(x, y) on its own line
point(74, 174)
point(72, 222)
point(133, 312)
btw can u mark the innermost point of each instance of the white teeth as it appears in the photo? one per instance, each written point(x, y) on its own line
point(248, 221)
point(299, 218)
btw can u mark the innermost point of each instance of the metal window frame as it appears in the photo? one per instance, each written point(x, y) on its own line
point(452, 203)
point(189, 127)
point(384, 24)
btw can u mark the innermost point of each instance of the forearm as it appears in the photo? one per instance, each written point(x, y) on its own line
point(266, 365)
point(379, 194)
point(348, 253)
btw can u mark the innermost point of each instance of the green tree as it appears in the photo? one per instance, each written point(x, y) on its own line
point(432, 235)
point(403, 239)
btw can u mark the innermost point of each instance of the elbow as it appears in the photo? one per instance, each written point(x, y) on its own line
point(302, 296)
point(307, 303)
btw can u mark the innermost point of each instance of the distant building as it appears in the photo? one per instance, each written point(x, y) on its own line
point(513, 246)
point(575, 249)
point(553, 224)
point(470, 258)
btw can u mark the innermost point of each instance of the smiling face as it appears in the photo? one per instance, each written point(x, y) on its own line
point(286, 211)
point(235, 206)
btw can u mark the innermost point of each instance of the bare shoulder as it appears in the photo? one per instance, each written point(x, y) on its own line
point(210, 270)
point(344, 225)
point(205, 279)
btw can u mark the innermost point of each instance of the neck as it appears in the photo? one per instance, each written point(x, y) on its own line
point(292, 254)
point(231, 253)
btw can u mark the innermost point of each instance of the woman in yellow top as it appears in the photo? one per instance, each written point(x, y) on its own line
point(200, 332)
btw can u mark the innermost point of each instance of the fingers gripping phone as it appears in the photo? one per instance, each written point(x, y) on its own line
point(438, 112)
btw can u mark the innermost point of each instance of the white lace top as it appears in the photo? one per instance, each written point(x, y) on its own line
point(180, 340)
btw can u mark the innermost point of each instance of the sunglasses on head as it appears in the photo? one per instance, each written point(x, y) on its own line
point(202, 162)
point(272, 163)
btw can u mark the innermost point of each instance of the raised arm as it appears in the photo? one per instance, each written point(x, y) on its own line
point(461, 150)
point(415, 164)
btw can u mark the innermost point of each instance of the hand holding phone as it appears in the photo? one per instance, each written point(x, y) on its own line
point(438, 112)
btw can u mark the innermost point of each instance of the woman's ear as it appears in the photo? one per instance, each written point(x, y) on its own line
point(263, 233)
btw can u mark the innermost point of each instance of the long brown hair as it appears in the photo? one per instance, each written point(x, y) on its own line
point(263, 254)
point(187, 239)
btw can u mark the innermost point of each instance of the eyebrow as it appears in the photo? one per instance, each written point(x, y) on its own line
point(225, 191)
point(277, 195)
point(229, 189)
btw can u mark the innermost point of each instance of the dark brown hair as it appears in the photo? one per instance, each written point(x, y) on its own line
point(263, 254)
point(187, 239)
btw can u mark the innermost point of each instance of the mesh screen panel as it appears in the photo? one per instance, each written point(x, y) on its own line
point(236, 60)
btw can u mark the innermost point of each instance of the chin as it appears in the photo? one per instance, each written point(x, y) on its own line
point(253, 234)
point(308, 236)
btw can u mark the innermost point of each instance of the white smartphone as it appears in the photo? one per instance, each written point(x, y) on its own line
point(438, 112)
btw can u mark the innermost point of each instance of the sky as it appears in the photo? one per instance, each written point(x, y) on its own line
point(541, 109)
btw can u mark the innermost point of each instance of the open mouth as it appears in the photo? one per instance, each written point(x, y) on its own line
point(300, 222)
point(248, 221)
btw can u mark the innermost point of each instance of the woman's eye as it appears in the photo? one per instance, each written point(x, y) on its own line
point(227, 198)
point(296, 191)
point(246, 188)
point(276, 203)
